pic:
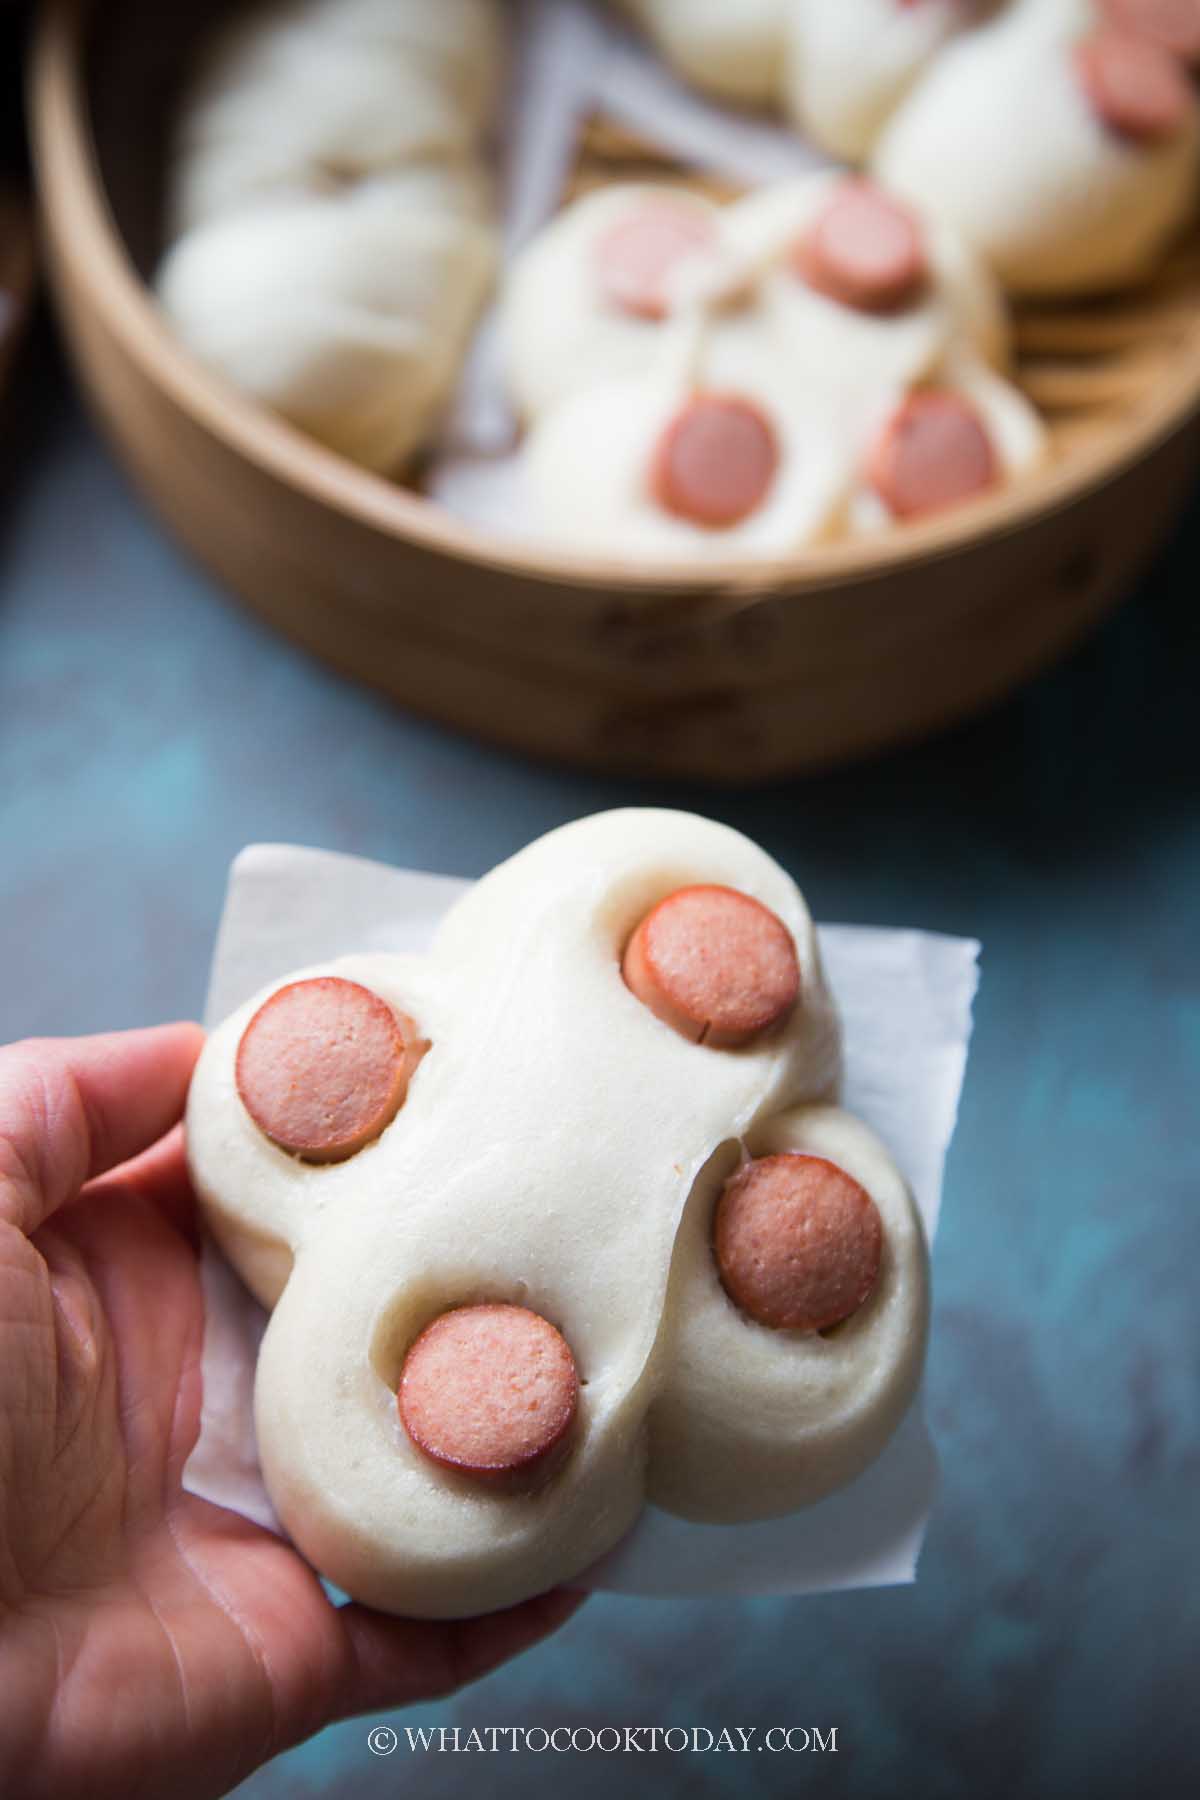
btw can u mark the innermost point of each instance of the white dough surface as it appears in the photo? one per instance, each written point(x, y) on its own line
point(348, 317)
point(729, 49)
point(558, 333)
point(849, 62)
point(1067, 206)
point(331, 242)
point(589, 462)
point(1018, 437)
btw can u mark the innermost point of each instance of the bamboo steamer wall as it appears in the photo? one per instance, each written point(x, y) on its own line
point(732, 673)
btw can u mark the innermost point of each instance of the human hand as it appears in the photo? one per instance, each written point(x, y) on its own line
point(150, 1642)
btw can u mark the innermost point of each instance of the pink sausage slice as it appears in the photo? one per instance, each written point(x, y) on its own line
point(1173, 25)
point(636, 257)
point(491, 1392)
point(932, 453)
point(1135, 88)
point(716, 461)
point(798, 1242)
point(323, 1067)
point(715, 965)
point(865, 250)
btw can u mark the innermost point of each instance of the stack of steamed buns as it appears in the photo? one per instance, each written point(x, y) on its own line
point(823, 358)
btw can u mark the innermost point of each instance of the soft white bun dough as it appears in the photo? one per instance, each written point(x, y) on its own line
point(589, 463)
point(601, 385)
point(559, 331)
point(840, 349)
point(732, 48)
point(1000, 140)
point(849, 63)
point(749, 1421)
point(972, 110)
point(550, 1145)
point(331, 212)
point(1017, 435)
point(314, 95)
point(561, 334)
point(349, 317)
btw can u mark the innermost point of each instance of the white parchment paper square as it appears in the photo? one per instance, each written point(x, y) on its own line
point(905, 999)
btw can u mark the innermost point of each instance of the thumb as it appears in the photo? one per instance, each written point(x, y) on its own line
point(72, 1108)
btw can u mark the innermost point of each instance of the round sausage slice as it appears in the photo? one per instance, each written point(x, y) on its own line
point(1135, 88)
point(323, 1067)
point(932, 453)
point(491, 1392)
point(714, 964)
point(1173, 25)
point(716, 461)
point(798, 1242)
point(865, 250)
point(637, 256)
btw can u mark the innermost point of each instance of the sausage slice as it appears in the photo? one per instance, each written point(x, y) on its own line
point(716, 461)
point(798, 1242)
point(714, 964)
point(491, 1392)
point(1137, 89)
point(932, 453)
point(865, 250)
point(636, 257)
point(323, 1067)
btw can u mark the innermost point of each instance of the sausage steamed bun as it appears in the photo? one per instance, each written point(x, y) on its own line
point(958, 435)
point(860, 290)
point(1091, 185)
point(557, 1220)
point(706, 380)
point(1060, 136)
point(588, 296)
point(715, 453)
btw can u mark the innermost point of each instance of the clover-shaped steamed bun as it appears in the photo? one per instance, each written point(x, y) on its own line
point(544, 1233)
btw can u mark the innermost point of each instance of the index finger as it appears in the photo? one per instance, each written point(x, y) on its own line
point(72, 1108)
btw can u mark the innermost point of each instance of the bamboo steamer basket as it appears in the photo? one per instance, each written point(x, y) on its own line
point(733, 672)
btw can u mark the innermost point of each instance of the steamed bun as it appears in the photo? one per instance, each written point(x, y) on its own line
point(348, 317)
point(847, 65)
point(729, 50)
point(1070, 204)
point(331, 213)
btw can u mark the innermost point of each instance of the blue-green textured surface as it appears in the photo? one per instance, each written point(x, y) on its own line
point(148, 729)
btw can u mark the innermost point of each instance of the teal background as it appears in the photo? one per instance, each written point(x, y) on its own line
point(149, 729)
